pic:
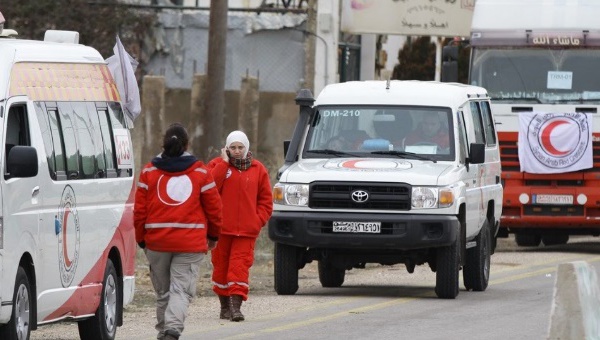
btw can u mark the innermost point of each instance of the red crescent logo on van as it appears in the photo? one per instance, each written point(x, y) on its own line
point(68, 234)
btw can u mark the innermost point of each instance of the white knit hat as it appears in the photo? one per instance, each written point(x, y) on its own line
point(238, 136)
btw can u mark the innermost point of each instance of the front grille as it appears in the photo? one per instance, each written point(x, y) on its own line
point(338, 195)
point(552, 210)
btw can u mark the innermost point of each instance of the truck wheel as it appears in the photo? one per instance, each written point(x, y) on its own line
point(103, 325)
point(448, 267)
point(331, 276)
point(555, 239)
point(19, 325)
point(286, 269)
point(476, 273)
point(528, 240)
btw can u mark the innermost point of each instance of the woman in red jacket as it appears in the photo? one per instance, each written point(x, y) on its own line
point(178, 218)
point(247, 206)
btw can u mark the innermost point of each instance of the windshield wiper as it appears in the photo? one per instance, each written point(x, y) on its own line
point(332, 152)
point(404, 154)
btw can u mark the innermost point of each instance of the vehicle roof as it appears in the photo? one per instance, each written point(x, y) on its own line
point(536, 15)
point(400, 92)
point(23, 51)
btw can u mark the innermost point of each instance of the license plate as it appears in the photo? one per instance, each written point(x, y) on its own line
point(356, 227)
point(553, 199)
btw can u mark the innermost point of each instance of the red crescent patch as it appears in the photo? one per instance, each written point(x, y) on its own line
point(162, 192)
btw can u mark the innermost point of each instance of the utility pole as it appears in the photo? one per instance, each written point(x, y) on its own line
point(309, 46)
point(215, 87)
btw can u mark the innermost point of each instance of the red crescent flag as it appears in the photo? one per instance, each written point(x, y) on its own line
point(555, 142)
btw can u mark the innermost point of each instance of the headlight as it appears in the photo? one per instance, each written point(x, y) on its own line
point(428, 198)
point(291, 194)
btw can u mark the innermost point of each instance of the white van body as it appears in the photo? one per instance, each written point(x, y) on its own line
point(382, 198)
point(67, 243)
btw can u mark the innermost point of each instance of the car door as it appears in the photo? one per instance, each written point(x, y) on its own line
point(21, 196)
point(475, 134)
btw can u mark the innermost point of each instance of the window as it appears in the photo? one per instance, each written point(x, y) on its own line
point(17, 131)
point(85, 140)
point(477, 124)
point(70, 141)
point(488, 123)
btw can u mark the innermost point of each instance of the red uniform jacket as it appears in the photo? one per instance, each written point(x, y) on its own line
point(177, 206)
point(247, 197)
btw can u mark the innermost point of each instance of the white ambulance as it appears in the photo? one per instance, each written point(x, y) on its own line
point(389, 172)
point(67, 244)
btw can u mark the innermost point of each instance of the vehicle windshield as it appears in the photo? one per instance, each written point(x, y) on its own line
point(547, 76)
point(416, 133)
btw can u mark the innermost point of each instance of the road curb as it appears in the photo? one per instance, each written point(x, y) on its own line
point(576, 302)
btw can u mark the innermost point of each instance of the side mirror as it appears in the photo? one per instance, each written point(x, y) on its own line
point(477, 153)
point(22, 161)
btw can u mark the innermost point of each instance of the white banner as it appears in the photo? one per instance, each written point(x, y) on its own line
point(122, 66)
point(408, 17)
point(555, 142)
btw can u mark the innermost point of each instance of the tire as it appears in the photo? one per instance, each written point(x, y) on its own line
point(19, 325)
point(286, 269)
point(103, 325)
point(555, 239)
point(476, 273)
point(528, 240)
point(331, 276)
point(447, 270)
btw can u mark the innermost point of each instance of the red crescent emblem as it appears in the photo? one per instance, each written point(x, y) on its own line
point(163, 195)
point(64, 236)
point(350, 164)
point(546, 141)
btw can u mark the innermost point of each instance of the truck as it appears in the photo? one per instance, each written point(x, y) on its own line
point(539, 60)
point(396, 172)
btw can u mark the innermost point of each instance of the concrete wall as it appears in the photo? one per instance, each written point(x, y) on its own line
point(277, 116)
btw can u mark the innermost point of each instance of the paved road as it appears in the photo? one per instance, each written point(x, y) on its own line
point(383, 302)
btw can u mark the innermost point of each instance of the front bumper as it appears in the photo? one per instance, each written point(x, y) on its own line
point(398, 231)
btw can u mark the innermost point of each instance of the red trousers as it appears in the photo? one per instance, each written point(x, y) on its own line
point(232, 259)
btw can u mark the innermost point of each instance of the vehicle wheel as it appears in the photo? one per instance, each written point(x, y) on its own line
point(555, 239)
point(330, 276)
point(286, 269)
point(103, 325)
point(19, 325)
point(528, 240)
point(476, 273)
point(448, 267)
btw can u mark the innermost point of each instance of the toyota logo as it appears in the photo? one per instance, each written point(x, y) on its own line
point(360, 196)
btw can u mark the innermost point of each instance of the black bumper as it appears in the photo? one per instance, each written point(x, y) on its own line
point(398, 231)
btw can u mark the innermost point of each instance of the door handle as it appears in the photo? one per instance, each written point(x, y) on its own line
point(35, 191)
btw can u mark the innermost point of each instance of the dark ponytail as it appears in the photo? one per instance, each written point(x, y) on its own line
point(175, 141)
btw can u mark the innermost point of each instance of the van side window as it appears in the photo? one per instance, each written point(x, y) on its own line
point(17, 130)
point(477, 124)
point(107, 138)
point(85, 140)
point(488, 123)
point(46, 137)
point(70, 141)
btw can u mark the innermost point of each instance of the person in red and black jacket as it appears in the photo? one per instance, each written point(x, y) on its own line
point(247, 206)
point(178, 218)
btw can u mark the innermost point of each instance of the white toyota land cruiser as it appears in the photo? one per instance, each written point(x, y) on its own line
point(389, 172)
